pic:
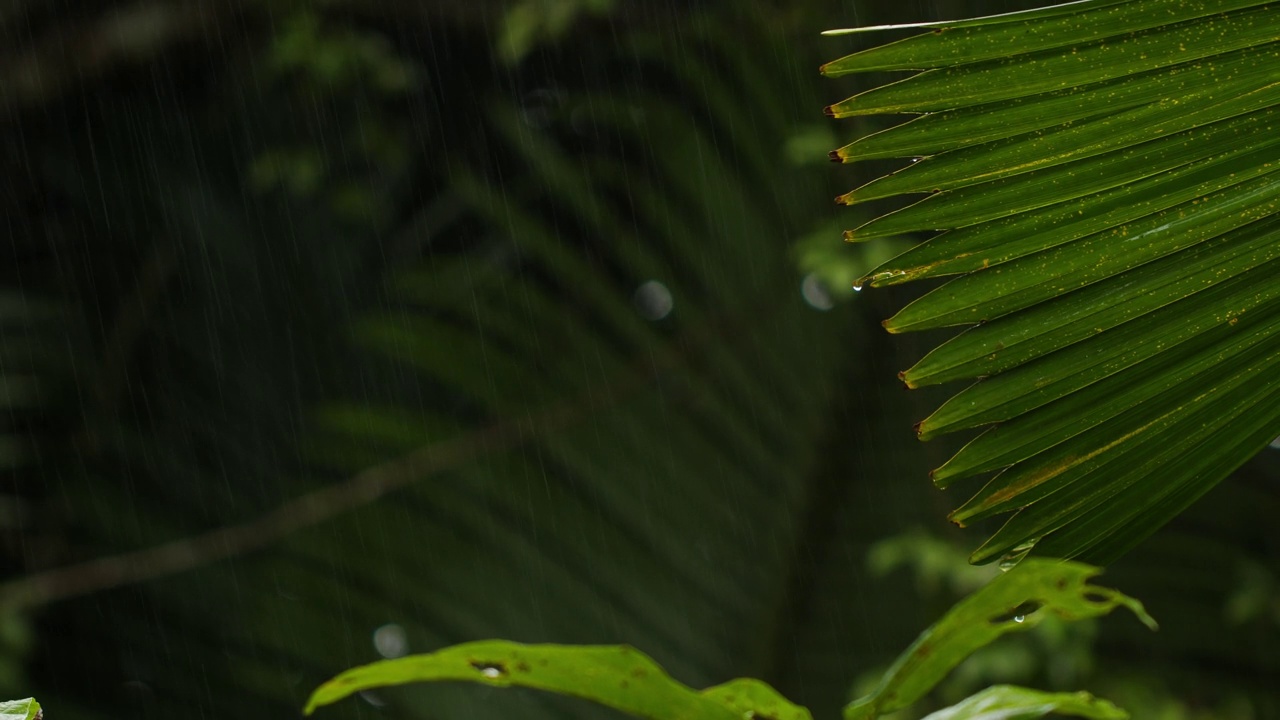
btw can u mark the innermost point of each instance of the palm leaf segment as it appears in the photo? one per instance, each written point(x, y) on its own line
point(1105, 179)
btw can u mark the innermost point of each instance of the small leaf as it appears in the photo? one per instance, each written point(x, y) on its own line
point(25, 709)
point(1008, 702)
point(1014, 602)
point(615, 676)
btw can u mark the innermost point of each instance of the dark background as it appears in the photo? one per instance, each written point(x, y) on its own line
point(400, 324)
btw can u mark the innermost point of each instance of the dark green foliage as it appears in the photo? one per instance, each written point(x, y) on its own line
point(257, 246)
point(449, 289)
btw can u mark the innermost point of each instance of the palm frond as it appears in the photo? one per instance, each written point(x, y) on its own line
point(1104, 178)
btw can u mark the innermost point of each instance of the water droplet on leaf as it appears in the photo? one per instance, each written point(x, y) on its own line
point(491, 670)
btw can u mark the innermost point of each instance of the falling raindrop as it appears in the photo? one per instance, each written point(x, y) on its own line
point(815, 293)
point(391, 641)
point(653, 300)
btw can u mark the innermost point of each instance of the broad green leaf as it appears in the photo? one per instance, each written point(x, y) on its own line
point(1105, 181)
point(1008, 702)
point(754, 699)
point(1159, 422)
point(619, 677)
point(1014, 602)
point(27, 709)
point(980, 246)
point(1231, 82)
point(1069, 65)
point(1022, 283)
point(1038, 430)
point(1015, 339)
point(956, 43)
point(1214, 316)
point(1239, 85)
point(1175, 473)
point(1009, 192)
point(1045, 12)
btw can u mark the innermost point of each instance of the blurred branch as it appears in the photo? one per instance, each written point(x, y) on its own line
point(297, 514)
point(362, 489)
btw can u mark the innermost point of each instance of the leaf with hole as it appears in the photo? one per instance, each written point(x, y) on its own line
point(619, 677)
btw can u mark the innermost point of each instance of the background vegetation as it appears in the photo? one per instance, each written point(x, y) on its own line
point(373, 328)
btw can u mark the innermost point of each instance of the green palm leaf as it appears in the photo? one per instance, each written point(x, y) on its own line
point(1104, 178)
